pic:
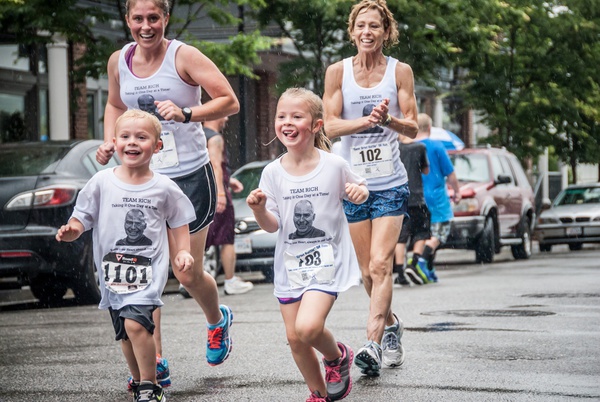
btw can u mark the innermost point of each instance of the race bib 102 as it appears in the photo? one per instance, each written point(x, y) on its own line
point(372, 160)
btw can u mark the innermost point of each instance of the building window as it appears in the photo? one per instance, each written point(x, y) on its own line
point(43, 116)
point(12, 120)
point(91, 116)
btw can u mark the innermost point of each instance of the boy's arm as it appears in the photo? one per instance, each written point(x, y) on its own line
point(183, 259)
point(71, 231)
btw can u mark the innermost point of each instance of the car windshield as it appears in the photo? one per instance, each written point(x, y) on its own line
point(250, 179)
point(27, 161)
point(471, 167)
point(578, 195)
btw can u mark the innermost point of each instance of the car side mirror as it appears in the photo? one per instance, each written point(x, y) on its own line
point(503, 179)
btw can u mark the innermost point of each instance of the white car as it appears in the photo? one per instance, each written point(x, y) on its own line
point(254, 247)
point(573, 218)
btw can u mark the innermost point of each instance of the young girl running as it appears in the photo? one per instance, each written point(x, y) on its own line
point(300, 194)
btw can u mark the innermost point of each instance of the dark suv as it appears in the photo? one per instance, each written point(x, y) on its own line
point(497, 207)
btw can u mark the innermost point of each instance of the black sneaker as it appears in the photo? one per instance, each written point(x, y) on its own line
point(149, 392)
point(401, 280)
point(337, 374)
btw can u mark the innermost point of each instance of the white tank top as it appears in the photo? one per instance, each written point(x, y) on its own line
point(373, 153)
point(184, 145)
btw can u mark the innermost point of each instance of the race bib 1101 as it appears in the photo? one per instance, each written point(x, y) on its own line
point(126, 273)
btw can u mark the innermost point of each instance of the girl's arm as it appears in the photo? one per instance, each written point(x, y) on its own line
point(257, 201)
point(357, 193)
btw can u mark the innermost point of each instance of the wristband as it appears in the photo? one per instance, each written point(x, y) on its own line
point(221, 195)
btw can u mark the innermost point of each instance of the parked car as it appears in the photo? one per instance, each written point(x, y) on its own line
point(497, 207)
point(253, 246)
point(39, 183)
point(573, 218)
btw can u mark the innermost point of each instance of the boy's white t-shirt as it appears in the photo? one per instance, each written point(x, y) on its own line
point(107, 205)
point(328, 242)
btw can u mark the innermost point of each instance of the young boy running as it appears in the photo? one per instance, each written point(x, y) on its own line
point(129, 208)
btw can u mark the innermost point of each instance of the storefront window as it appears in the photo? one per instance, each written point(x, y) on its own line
point(12, 123)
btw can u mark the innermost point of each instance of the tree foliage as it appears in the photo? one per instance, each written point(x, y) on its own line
point(529, 67)
point(36, 22)
point(537, 85)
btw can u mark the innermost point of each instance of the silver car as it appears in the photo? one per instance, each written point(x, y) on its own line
point(573, 218)
point(254, 247)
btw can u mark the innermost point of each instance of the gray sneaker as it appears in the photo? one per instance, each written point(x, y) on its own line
point(391, 344)
point(368, 359)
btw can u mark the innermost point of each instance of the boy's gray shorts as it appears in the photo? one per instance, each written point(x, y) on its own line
point(138, 313)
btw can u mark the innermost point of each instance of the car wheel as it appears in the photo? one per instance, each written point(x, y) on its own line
point(485, 248)
point(48, 289)
point(211, 261)
point(575, 246)
point(268, 273)
point(545, 248)
point(85, 280)
point(523, 251)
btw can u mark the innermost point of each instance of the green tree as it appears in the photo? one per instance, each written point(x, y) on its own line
point(317, 29)
point(537, 85)
point(34, 22)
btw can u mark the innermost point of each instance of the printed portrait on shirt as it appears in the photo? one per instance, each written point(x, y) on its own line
point(304, 216)
point(135, 224)
point(367, 111)
point(146, 103)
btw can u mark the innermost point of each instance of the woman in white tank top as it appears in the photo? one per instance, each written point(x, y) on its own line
point(369, 100)
point(166, 77)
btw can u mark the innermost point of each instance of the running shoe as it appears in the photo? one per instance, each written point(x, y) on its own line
point(431, 275)
point(316, 397)
point(429, 272)
point(163, 374)
point(149, 392)
point(415, 273)
point(236, 286)
point(391, 344)
point(218, 344)
point(368, 359)
point(337, 374)
point(132, 386)
point(401, 280)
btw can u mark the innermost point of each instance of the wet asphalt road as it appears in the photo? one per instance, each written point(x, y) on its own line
point(508, 331)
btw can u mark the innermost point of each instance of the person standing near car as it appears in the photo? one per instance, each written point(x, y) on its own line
point(436, 196)
point(175, 75)
point(369, 98)
point(133, 275)
point(221, 231)
point(415, 229)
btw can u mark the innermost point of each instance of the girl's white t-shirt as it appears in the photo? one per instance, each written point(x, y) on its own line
point(318, 195)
